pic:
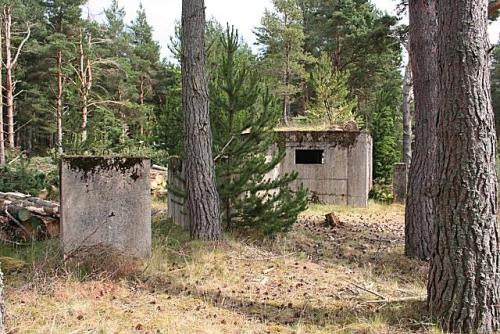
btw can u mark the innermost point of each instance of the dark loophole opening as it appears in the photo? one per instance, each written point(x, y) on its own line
point(309, 157)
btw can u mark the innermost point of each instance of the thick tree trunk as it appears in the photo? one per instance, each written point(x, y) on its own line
point(202, 198)
point(419, 216)
point(464, 279)
point(9, 96)
point(59, 102)
point(2, 135)
point(407, 131)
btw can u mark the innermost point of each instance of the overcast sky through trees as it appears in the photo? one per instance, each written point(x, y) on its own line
point(244, 15)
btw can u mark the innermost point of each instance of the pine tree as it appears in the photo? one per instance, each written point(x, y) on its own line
point(419, 211)
point(169, 118)
point(63, 19)
point(331, 102)
point(282, 39)
point(145, 62)
point(385, 143)
point(360, 41)
point(18, 18)
point(117, 79)
point(202, 197)
point(464, 278)
point(244, 122)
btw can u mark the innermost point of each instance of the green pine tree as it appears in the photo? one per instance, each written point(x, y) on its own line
point(245, 120)
point(145, 63)
point(332, 103)
point(282, 39)
point(386, 151)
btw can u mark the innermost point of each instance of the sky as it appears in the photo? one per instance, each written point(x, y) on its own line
point(245, 15)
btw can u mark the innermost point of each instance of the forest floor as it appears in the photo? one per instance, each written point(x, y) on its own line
point(351, 278)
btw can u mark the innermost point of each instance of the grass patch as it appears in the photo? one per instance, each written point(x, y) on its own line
point(314, 279)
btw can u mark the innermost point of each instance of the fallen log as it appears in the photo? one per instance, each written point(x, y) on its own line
point(27, 217)
point(32, 204)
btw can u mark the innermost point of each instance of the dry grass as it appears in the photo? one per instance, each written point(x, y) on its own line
point(314, 279)
point(308, 127)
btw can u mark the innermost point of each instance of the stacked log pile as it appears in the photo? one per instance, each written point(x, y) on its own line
point(24, 217)
point(158, 175)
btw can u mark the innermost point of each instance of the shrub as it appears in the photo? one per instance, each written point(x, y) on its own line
point(26, 176)
point(382, 191)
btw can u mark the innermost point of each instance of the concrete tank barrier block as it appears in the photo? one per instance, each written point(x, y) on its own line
point(106, 201)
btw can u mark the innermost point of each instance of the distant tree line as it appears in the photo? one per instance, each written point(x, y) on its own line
point(73, 83)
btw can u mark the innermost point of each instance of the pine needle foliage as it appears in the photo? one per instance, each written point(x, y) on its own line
point(245, 117)
point(332, 103)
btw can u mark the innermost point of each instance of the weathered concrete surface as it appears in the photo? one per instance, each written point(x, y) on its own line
point(176, 194)
point(399, 182)
point(360, 171)
point(345, 175)
point(106, 201)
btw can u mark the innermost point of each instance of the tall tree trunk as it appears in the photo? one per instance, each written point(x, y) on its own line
point(10, 63)
point(286, 110)
point(464, 278)
point(286, 106)
point(59, 101)
point(202, 198)
point(419, 215)
point(407, 131)
point(286, 77)
point(141, 102)
point(9, 96)
point(85, 77)
point(2, 135)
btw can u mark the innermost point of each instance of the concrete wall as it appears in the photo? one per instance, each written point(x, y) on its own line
point(360, 171)
point(344, 177)
point(106, 202)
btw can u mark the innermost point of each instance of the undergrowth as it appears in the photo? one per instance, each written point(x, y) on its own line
point(313, 279)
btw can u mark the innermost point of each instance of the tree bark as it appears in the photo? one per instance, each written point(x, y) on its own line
point(202, 198)
point(2, 135)
point(59, 101)
point(9, 97)
point(407, 131)
point(85, 77)
point(142, 95)
point(10, 63)
point(463, 288)
point(419, 215)
point(286, 77)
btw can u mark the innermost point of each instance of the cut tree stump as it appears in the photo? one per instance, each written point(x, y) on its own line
point(332, 220)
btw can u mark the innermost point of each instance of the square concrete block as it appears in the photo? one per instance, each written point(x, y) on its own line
point(106, 201)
